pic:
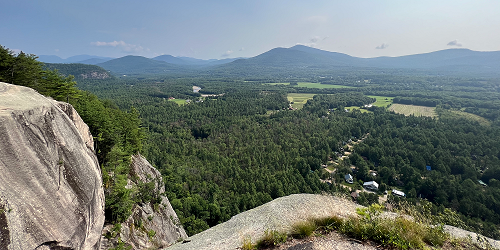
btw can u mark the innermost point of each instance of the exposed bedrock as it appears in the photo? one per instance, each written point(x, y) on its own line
point(51, 194)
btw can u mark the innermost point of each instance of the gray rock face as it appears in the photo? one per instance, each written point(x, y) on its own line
point(51, 194)
point(279, 214)
point(149, 227)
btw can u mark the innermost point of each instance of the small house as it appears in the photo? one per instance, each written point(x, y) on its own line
point(348, 178)
point(482, 183)
point(398, 193)
point(354, 196)
point(371, 185)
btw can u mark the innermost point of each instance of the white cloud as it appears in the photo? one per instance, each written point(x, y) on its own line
point(120, 44)
point(242, 49)
point(454, 43)
point(382, 46)
point(227, 53)
point(56, 50)
point(314, 39)
point(16, 51)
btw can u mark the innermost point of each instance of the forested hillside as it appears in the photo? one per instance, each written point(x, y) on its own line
point(235, 151)
point(79, 70)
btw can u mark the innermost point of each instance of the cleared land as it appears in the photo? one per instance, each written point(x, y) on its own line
point(312, 85)
point(178, 101)
point(382, 101)
point(299, 99)
point(461, 114)
point(413, 110)
point(351, 108)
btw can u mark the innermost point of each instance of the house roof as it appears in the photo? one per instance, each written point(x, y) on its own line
point(397, 192)
point(371, 183)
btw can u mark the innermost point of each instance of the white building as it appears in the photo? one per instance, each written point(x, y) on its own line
point(348, 178)
point(371, 185)
point(398, 193)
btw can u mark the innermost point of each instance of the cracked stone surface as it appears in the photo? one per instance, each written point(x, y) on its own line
point(51, 191)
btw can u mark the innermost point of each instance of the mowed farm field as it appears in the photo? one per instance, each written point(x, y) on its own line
point(382, 101)
point(178, 101)
point(299, 99)
point(413, 110)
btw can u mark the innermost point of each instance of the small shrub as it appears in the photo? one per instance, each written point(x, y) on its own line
point(303, 229)
point(117, 228)
point(328, 224)
point(151, 233)
point(150, 218)
point(271, 238)
point(121, 246)
point(138, 223)
point(247, 244)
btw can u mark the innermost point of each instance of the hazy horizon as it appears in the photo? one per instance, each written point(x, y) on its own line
point(220, 29)
point(64, 58)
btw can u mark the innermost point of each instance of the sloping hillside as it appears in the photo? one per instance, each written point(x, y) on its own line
point(139, 65)
point(79, 70)
point(278, 214)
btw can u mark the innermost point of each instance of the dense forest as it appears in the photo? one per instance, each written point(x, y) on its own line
point(238, 143)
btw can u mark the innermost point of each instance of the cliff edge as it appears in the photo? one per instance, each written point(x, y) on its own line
point(150, 226)
point(51, 194)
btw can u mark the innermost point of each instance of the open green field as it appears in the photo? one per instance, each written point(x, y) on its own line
point(481, 120)
point(178, 101)
point(443, 113)
point(299, 99)
point(382, 101)
point(312, 85)
point(351, 108)
point(413, 110)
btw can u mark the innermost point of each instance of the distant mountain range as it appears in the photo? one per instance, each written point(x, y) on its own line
point(299, 58)
point(85, 59)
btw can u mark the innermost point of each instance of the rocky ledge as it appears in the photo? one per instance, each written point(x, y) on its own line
point(51, 194)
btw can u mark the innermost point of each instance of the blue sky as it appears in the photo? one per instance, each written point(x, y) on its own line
point(218, 29)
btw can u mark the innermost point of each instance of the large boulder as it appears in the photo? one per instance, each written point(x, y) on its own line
point(51, 194)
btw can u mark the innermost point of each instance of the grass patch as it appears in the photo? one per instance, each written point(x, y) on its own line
point(413, 110)
point(178, 101)
point(382, 101)
point(271, 238)
point(351, 108)
point(303, 229)
point(457, 114)
point(312, 85)
point(299, 99)
point(411, 228)
point(247, 244)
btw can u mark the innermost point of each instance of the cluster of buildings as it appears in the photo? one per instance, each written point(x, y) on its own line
point(372, 186)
